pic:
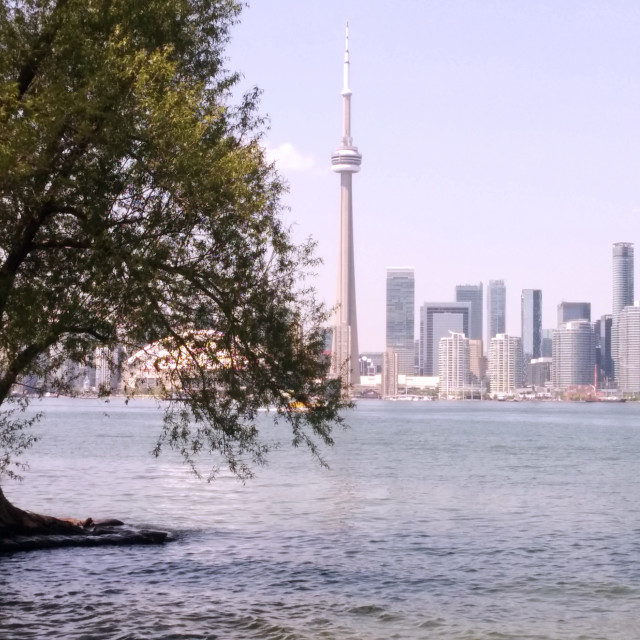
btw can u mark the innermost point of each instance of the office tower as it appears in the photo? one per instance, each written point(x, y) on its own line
point(477, 362)
point(346, 161)
point(453, 366)
point(570, 311)
point(472, 293)
point(629, 349)
point(622, 291)
point(531, 325)
point(496, 308)
point(436, 320)
point(605, 363)
point(531, 308)
point(401, 317)
point(547, 343)
point(389, 373)
point(505, 364)
point(573, 355)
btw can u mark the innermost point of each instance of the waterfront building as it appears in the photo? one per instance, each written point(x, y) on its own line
point(400, 325)
point(107, 368)
point(389, 373)
point(573, 355)
point(496, 308)
point(453, 366)
point(371, 363)
point(541, 372)
point(477, 362)
point(531, 323)
point(472, 293)
point(436, 320)
point(623, 291)
point(346, 160)
point(570, 311)
point(629, 349)
point(505, 364)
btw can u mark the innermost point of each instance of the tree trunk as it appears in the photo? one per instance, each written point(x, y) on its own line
point(16, 522)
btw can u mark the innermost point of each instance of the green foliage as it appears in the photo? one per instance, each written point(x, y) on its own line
point(14, 438)
point(137, 208)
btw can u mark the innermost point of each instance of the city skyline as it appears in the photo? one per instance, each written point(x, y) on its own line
point(515, 156)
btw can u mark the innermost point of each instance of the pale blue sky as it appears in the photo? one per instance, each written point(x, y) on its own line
point(500, 140)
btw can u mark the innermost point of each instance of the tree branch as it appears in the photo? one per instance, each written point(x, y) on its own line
point(39, 51)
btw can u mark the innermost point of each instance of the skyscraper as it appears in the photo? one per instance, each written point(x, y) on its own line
point(629, 349)
point(437, 319)
point(570, 311)
point(603, 343)
point(496, 309)
point(401, 317)
point(622, 291)
point(346, 161)
point(574, 355)
point(532, 322)
point(472, 293)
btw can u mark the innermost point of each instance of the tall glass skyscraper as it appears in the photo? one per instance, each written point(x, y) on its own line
point(622, 291)
point(401, 318)
point(472, 293)
point(570, 311)
point(437, 319)
point(531, 307)
point(496, 309)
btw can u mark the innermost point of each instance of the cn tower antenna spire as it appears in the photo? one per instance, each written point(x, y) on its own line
point(346, 160)
point(346, 94)
point(346, 90)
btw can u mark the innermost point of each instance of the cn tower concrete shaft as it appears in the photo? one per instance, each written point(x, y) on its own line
point(346, 161)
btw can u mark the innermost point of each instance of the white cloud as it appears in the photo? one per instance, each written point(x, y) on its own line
point(288, 158)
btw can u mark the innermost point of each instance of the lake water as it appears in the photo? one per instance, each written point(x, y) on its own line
point(474, 521)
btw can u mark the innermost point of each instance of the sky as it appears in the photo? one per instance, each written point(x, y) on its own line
point(500, 140)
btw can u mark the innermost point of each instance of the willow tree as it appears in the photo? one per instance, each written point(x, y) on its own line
point(137, 208)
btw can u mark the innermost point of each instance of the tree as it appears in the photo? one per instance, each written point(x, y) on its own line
point(137, 208)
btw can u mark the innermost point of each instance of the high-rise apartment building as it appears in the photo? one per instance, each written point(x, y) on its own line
point(570, 311)
point(472, 293)
point(437, 319)
point(573, 355)
point(389, 373)
point(629, 349)
point(505, 364)
point(453, 365)
point(496, 308)
point(401, 317)
point(622, 291)
point(477, 362)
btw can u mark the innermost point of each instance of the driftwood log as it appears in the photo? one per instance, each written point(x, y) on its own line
point(22, 531)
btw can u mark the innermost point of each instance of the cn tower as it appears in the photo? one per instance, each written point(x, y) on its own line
point(346, 161)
